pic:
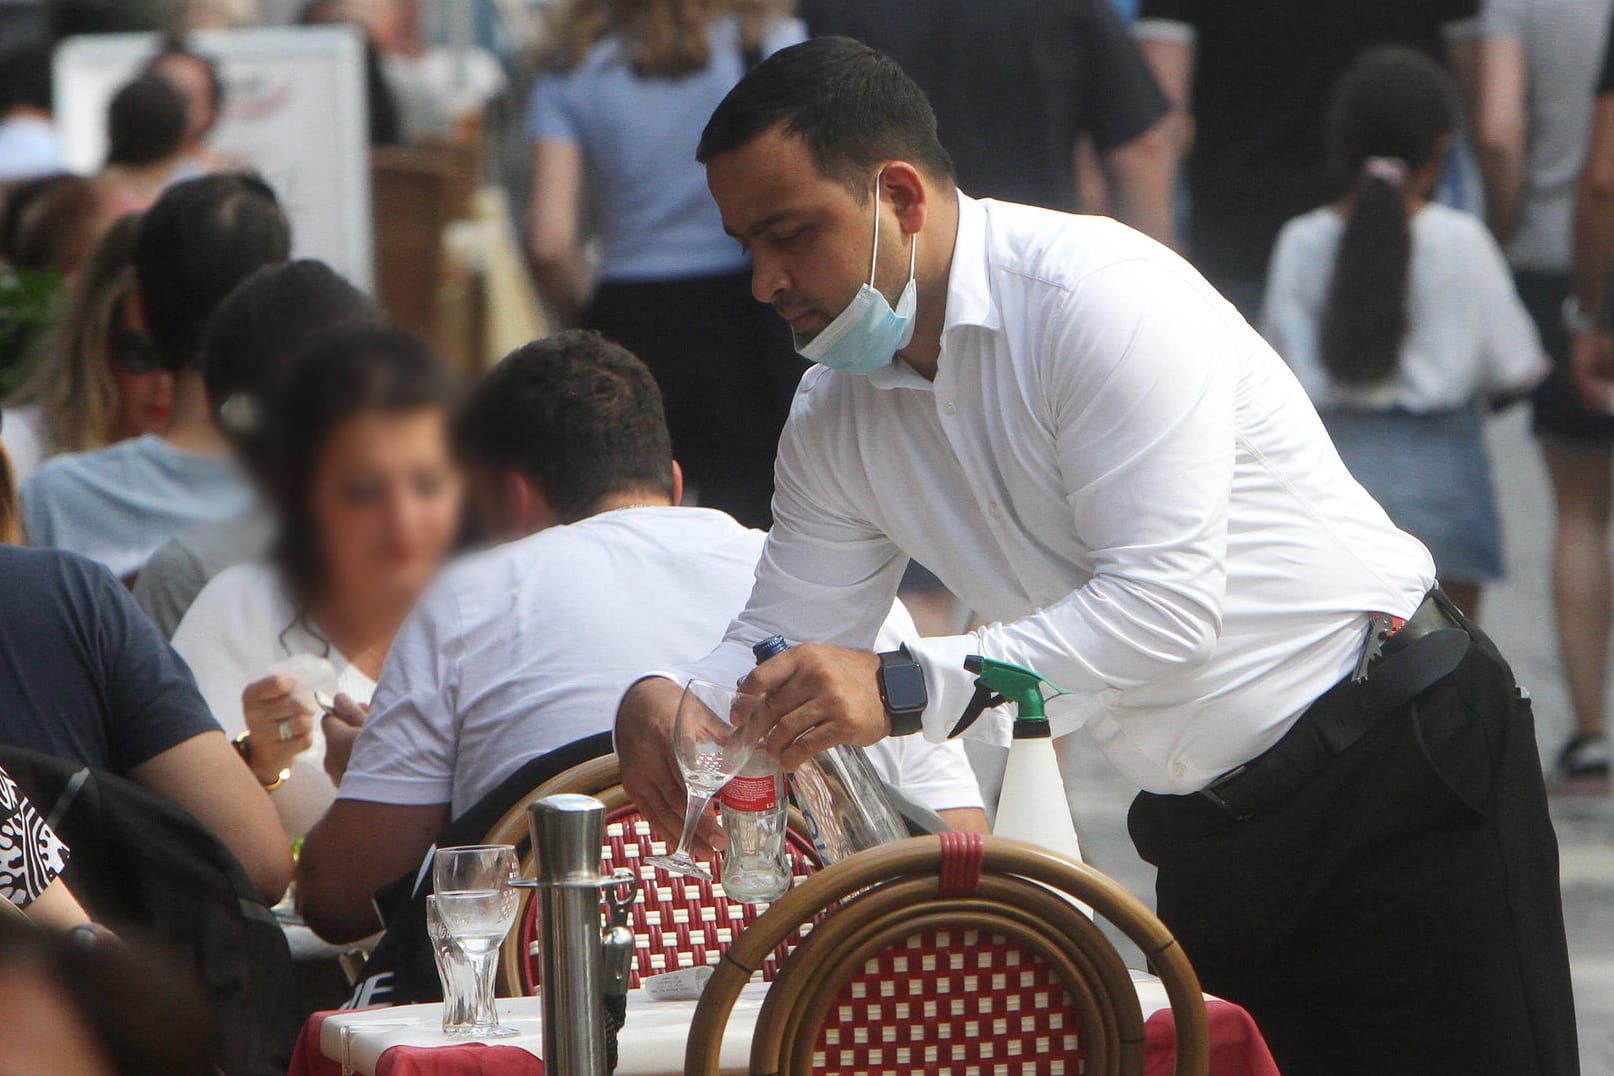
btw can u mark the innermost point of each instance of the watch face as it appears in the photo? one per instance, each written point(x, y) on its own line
point(904, 687)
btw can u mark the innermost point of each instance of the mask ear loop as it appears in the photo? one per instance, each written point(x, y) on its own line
point(874, 255)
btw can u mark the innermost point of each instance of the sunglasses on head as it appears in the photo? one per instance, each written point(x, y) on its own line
point(133, 352)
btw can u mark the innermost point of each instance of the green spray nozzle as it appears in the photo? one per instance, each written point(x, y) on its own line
point(1016, 685)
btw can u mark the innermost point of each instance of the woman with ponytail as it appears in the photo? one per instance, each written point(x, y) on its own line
point(1400, 318)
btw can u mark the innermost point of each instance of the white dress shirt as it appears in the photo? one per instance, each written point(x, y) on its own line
point(526, 647)
point(1114, 469)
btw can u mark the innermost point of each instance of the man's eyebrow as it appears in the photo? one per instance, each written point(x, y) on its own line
point(764, 224)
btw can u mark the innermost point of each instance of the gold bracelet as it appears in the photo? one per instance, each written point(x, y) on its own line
point(243, 747)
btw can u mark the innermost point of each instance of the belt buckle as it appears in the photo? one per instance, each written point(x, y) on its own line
point(1212, 792)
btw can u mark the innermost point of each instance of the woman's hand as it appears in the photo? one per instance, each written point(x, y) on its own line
point(281, 727)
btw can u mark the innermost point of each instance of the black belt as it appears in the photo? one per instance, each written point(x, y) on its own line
point(1397, 665)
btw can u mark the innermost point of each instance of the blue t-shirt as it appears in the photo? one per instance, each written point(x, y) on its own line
point(638, 136)
point(118, 504)
point(83, 674)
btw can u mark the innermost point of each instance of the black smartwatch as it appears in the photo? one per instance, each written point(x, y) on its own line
point(902, 691)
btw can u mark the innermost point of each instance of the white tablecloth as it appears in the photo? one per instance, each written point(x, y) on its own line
point(652, 1043)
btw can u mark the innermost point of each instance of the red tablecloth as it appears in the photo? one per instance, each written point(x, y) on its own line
point(1237, 1049)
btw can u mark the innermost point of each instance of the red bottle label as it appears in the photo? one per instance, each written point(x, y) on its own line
point(751, 793)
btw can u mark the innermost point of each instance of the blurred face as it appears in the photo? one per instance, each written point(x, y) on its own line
point(809, 237)
point(386, 501)
point(190, 77)
point(145, 390)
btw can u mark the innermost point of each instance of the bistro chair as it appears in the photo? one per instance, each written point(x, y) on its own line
point(950, 955)
point(678, 922)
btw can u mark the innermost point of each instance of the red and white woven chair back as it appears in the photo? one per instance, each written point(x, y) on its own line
point(678, 921)
point(952, 1002)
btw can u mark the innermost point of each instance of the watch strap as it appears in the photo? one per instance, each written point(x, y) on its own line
point(905, 721)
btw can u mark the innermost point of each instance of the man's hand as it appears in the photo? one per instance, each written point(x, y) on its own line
point(818, 697)
point(1592, 368)
point(341, 727)
point(650, 773)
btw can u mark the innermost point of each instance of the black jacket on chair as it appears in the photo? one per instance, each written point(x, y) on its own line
point(143, 866)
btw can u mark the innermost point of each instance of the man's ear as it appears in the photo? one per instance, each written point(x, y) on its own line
point(526, 509)
point(678, 483)
point(902, 187)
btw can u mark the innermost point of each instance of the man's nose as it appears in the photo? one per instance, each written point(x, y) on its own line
point(767, 278)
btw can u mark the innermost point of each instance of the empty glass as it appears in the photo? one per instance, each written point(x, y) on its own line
point(477, 906)
point(712, 738)
point(454, 970)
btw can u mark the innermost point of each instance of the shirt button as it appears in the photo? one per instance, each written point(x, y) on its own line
point(950, 407)
point(1178, 769)
point(994, 508)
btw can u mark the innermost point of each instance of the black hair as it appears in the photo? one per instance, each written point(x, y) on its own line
point(256, 333)
point(145, 121)
point(1391, 114)
point(202, 238)
point(575, 414)
point(854, 107)
point(25, 78)
point(341, 372)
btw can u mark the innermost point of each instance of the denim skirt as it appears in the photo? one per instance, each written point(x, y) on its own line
point(1431, 473)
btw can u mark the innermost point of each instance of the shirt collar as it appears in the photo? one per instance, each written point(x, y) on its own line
point(969, 282)
point(969, 291)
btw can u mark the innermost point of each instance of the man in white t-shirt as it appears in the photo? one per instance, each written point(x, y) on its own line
point(527, 647)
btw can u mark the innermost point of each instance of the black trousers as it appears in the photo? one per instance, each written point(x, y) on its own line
point(727, 371)
point(1401, 913)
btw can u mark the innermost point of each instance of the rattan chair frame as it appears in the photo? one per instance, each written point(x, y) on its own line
point(923, 856)
point(1040, 920)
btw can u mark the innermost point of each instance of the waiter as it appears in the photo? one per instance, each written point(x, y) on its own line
point(1098, 455)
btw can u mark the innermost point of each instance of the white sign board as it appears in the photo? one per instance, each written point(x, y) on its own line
point(295, 111)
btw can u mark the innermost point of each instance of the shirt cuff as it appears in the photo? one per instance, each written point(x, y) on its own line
point(950, 687)
point(1170, 31)
point(395, 789)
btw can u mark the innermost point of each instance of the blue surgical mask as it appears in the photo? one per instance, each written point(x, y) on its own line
point(868, 333)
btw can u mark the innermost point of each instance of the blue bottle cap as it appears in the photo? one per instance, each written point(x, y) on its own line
point(771, 647)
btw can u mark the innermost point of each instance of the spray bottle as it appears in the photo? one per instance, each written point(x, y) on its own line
point(1033, 807)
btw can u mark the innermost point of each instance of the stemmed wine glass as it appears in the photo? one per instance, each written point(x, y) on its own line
point(713, 736)
point(478, 906)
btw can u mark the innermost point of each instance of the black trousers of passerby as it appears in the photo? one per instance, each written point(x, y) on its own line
point(1401, 913)
point(727, 370)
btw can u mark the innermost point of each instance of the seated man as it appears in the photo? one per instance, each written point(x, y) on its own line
point(85, 677)
point(521, 649)
point(118, 504)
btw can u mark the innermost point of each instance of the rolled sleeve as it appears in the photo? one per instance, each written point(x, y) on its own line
point(550, 115)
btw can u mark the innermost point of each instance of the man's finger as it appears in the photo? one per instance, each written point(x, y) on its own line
point(351, 713)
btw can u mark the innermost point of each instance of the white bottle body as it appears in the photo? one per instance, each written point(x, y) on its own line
point(1033, 807)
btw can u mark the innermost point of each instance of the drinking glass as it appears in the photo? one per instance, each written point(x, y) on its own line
point(478, 906)
point(454, 971)
point(713, 736)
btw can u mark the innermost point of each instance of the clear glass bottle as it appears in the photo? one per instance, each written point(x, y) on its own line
point(756, 810)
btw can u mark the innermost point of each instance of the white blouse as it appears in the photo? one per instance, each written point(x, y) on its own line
point(243, 627)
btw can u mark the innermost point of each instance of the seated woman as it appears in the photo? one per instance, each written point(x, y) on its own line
point(367, 491)
point(98, 382)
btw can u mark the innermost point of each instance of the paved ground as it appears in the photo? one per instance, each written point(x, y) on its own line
point(1519, 619)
